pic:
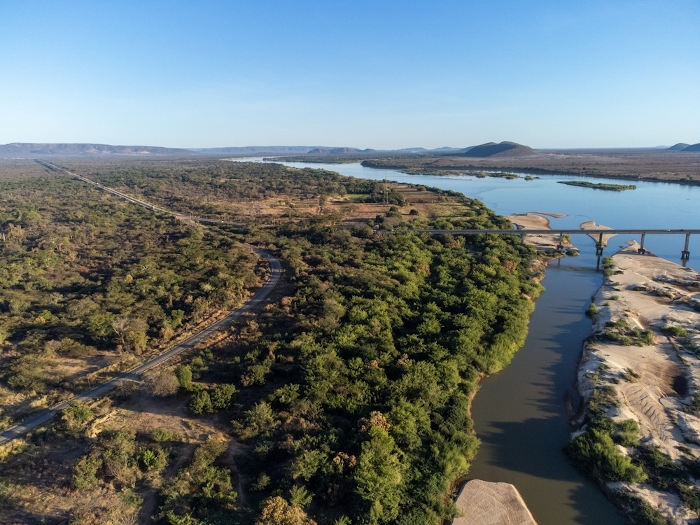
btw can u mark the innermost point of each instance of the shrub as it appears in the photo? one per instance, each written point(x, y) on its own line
point(261, 483)
point(674, 331)
point(164, 384)
point(85, 472)
point(200, 403)
point(162, 434)
point(76, 415)
point(596, 452)
point(152, 460)
point(222, 395)
point(592, 310)
point(276, 511)
point(299, 496)
point(184, 376)
point(628, 432)
point(630, 375)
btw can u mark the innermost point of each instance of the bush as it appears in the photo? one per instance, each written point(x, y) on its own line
point(184, 376)
point(674, 331)
point(276, 511)
point(299, 496)
point(596, 452)
point(152, 460)
point(200, 403)
point(261, 483)
point(85, 472)
point(592, 310)
point(222, 395)
point(164, 383)
point(75, 416)
point(162, 434)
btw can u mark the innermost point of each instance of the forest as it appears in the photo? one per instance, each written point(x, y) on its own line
point(348, 399)
point(89, 283)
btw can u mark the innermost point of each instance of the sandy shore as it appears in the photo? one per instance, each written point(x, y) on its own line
point(654, 381)
point(487, 503)
point(538, 221)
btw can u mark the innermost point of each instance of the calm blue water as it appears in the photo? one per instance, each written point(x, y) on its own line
point(520, 414)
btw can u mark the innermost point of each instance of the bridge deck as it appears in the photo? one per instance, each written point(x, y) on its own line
point(586, 231)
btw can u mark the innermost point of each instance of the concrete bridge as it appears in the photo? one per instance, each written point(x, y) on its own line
point(592, 232)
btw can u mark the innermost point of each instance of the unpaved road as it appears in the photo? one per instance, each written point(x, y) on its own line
point(135, 373)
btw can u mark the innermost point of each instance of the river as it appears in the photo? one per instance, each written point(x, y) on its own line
point(520, 414)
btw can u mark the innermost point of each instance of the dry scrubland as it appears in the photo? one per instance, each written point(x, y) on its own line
point(345, 400)
point(639, 378)
point(90, 285)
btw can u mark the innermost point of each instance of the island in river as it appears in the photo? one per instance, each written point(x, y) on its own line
point(638, 380)
point(599, 185)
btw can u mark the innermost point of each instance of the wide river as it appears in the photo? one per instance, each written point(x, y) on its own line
point(520, 413)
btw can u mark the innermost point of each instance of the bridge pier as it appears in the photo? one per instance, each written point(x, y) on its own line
point(685, 254)
point(641, 247)
point(599, 246)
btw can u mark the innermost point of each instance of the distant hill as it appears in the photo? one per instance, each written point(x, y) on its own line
point(257, 150)
point(337, 151)
point(28, 149)
point(686, 148)
point(501, 149)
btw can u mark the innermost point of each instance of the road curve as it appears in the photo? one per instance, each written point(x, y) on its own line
point(135, 373)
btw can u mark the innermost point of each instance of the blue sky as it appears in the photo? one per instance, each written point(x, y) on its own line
point(366, 74)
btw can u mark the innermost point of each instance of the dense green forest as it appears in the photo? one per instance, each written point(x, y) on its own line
point(87, 281)
point(363, 405)
point(349, 397)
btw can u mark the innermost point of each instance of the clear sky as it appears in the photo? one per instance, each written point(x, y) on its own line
point(367, 74)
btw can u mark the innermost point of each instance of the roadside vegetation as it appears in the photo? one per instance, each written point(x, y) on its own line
point(89, 283)
point(348, 399)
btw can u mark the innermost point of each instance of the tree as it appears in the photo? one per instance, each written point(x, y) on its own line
point(378, 476)
point(164, 383)
point(276, 511)
point(184, 376)
point(222, 395)
point(200, 403)
point(85, 472)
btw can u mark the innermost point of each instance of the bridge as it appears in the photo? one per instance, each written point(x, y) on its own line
point(600, 244)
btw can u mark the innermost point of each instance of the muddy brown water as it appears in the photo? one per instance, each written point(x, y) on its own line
point(521, 416)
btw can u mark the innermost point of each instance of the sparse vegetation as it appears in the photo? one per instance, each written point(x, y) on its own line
point(674, 331)
point(598, 185)
point(620, 332)
point(592, 310)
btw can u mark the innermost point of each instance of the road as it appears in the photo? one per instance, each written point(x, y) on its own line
point(135, 373)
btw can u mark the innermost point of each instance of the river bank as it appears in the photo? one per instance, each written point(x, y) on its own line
point(637, 378)
point(520, 414)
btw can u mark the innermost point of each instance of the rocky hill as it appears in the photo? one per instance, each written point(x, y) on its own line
point(493, 149)
point(686, 148)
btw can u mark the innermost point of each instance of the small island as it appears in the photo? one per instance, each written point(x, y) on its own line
point(598, 185)
point(452, 172)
